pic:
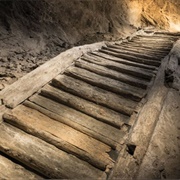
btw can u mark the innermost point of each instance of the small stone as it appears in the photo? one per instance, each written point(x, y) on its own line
point(1, 87)
point(3, 59)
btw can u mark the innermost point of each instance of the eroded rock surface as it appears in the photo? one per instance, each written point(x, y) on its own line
point(32, 32)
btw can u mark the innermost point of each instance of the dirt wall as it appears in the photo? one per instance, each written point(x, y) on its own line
point(164, 14)
point(32, 32)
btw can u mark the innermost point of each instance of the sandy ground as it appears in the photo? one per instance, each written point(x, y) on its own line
point(162, 160)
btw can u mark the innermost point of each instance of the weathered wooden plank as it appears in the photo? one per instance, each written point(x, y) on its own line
point(120, 60)
point(162, 42)
point(112, 74)
point(3, 109)
point(22, 89)
point(165, 46)
point(43, 157)
point(112, 85)
point(151, 46)
point(166, 33)
point(10, 170)
point(82, 122)
point(94, 94)
point(143, 47)
point(141, 55)
point(132, 58)
point(60, 135)
point(156, 37)
point(101, 113)
point(135, 71)
point(136, 48)
point(159, 52)
point(139, 50)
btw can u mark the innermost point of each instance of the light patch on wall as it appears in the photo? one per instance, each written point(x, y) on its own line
point(175, 27)
point(134, 12)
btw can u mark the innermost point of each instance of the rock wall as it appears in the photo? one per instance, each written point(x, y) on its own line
point(31, 32)
point(164, 14)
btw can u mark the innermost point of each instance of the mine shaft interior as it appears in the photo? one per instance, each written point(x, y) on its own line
point(90, 89)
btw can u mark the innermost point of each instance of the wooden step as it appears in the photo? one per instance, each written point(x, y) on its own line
point(112, 85)
point(130, 70)
point(132, 58)
point(160, 34)
point(101, 113)
point(111, 74)
point(143, 47)
point(80, 121)
point(103, 56)
point(150, 46)
point(94, 94)
point(165, 46)
point(11, 170)
point(141, 55)
point(154, 36)
point(165, 33)
point(43, 157)
point(162, 42)
point(159, 39)
point(139, 50)
point(76, 120)
point(61, 136)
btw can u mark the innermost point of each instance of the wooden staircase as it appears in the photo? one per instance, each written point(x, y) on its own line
point(76, 125)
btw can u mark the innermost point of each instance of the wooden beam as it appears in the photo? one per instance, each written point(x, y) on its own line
point(123, 68)
point(95, 94)
point(11, 170)
point(79, 121)
point(43, 157)
point(60, 135)
point(131, 58)
point(30, 83)
point(144, 55)
point(120, 60)
point(101, 113)
point(112, 74)
point(106, 83)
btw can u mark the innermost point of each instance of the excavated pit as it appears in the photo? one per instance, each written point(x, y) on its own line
point(107, 110)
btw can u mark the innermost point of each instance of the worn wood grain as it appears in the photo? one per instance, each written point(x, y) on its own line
point(160, 34)
point(132, 58)
point(120, 60)
point(80, 121)
point(95, 94)
point(139, 50)
point(161, 42)
point(141, 55)
point(101, 113)
point(22, 89)
point(135, 71)
point(3, 109)
point(150, 46)
point(154, 36)
point(112, 85)
point(143, 47)
point(166, 33)
point(11, 170)
point(60, 135)
point(111, 74)
point(43, 157)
